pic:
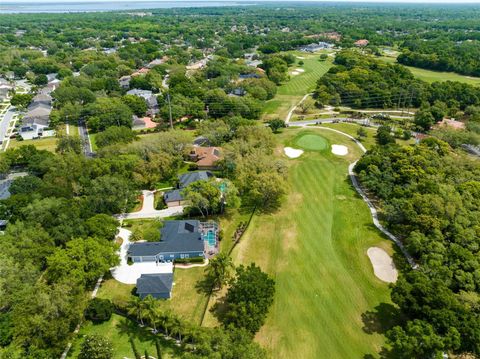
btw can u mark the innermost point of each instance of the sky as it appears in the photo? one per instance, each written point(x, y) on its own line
point(376, 1)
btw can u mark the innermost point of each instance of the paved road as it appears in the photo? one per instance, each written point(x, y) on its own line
point(83, 132)
point(5, 121)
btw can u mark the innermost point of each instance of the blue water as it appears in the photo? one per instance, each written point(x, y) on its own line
point(12, 7)
point(210, 237)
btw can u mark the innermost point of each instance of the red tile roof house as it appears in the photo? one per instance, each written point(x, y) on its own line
point(456, 125)
point(140, 123)
point(206, 158)
point(361, 43)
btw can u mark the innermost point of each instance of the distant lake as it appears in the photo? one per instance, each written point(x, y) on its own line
point(12, 7)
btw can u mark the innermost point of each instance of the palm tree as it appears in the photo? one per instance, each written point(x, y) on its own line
point(152, 311)
point(159, 349)
point(220, 270)
point(136, 307)
point(177, 327)
point(166, 322)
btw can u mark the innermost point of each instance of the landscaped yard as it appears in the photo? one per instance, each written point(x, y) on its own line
point(291, 92)
point(118, 330)
point(47, 143)
point(432, 76)
point(315, 248)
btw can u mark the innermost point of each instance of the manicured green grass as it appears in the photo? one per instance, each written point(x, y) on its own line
point(48, 143)
point(433, 76)
point(292, 91)
point(315, 248)
point(186, 301)
point(118, 330)
point(312, 142)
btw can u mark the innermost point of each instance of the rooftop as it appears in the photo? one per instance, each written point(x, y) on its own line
point(155, 284)
point(190, 177)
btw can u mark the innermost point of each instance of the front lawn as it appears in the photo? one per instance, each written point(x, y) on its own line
point(118, 330)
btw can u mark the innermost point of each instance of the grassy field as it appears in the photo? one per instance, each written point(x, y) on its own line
point(187, 301)
point(118, 330)
point(292, 91)
point(48, 143)
point(315, 247)
point(432, 76)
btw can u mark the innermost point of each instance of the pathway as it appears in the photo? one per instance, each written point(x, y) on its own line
point(373, 210)
point(129, 274)
point(290, 113)
point(148, 209)
point(83, 132)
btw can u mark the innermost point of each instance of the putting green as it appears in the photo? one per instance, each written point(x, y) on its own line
point(312, 142)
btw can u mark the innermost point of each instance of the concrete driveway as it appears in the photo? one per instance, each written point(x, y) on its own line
point(129, 274)
point(148, 209)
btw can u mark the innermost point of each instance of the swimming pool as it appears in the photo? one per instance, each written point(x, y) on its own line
point(210, 238)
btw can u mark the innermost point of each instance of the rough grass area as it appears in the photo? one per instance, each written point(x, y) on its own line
point(433, 76)
point(315, 247)
point(118, 330)
point(292, 91)
point(48, 143)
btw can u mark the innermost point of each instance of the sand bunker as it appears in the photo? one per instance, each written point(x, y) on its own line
point(294, 73)
point(339, 150)
point(292, 152)
point(300, 70)
point(383, 265)
point(300, 57)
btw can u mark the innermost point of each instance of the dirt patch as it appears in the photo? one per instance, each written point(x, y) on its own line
point(383, 265)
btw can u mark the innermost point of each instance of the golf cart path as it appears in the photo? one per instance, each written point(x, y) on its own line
point(373, 210)
point(290, 113)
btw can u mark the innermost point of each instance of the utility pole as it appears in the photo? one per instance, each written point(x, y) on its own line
point(170, 110)
point(206, 112)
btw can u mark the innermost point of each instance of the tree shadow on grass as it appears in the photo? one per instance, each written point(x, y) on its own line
point(142, 335)
point(384, 317)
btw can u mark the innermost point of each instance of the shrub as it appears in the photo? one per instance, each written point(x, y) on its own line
point(99, 310)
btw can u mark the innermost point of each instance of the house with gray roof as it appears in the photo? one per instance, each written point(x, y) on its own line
point(178, 240)
point(149, 97)
point(159, 286)
point(37, 119)
point(175, 197)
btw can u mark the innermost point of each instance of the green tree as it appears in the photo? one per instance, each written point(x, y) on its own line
point(66, 143)
point(106, 112)
point(361, 133)
point(81, 262)
point(102, 226)
point(114, 135)
point(21, 100)
point(158, 348)
point(137, 104)
point(424, 119)
point(99, 310)
point(384, 135)
point(96, 347)
point(248, 299)
point(110, 194)
point(219, 270)
point(205, 196)
point(276, 125)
